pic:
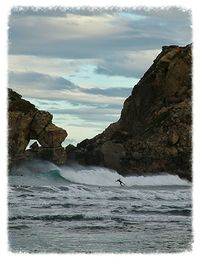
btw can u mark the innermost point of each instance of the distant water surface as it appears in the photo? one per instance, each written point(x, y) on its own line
point(77, 210)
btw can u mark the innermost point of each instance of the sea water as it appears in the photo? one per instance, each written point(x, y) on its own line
point(84, 210)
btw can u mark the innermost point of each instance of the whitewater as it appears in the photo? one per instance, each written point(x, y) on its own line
point(76, 209)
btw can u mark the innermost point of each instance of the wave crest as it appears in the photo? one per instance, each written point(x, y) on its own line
point(43, 173)
point(100, 176)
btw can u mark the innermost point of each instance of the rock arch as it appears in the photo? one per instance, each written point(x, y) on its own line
point(26, 122)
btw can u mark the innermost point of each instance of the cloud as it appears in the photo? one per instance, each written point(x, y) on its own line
point(84, 111)
point(74, 97)
point(113, 92)
point(77, 36)
point(172, 13)
point(130, 64)
point(119, 41)
point(95, 45)
point(101, 69)
point(62, 97)
point(90, 114)
point(40, 81)
point(38, 11)
point(46, 65)
point(44, 82)
point(59, 36)
point(136, 13)
point(61, 11)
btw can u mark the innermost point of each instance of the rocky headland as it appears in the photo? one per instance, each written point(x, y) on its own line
point(153, 133)
point(26, 122)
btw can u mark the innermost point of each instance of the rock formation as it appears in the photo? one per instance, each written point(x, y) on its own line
point(153, 133)
point(25, 122)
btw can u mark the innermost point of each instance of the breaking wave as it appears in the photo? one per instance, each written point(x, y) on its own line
point(99, 176)
point(46, 173)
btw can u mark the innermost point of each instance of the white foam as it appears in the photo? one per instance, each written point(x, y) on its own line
point(97, 176)
point(105, 177)
point(90, 176)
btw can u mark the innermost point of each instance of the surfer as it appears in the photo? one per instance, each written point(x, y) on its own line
point(120, 182)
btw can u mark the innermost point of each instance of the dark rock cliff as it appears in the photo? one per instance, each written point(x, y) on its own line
point(153, 133)
point(25, 122)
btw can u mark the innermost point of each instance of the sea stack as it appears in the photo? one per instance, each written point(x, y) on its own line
point(153, 133)
point(26, 122)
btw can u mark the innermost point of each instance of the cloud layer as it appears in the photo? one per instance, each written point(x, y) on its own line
point(87, 59)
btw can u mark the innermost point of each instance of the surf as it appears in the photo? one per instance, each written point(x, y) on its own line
point(43, 172)
point(99, 176)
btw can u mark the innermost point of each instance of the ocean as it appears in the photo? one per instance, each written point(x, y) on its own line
point(76, 209)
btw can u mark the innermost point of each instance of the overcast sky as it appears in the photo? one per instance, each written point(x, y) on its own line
point(81, 64)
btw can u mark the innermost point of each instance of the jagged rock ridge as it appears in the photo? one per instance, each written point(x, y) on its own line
point(27, 122)
point(153, 133)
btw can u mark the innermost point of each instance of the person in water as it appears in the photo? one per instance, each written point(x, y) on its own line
point(120, 182)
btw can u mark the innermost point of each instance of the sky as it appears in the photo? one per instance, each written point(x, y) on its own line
point(80, 64)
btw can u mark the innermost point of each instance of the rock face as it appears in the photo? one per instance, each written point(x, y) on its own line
point(25, 122)
point(153, 133)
